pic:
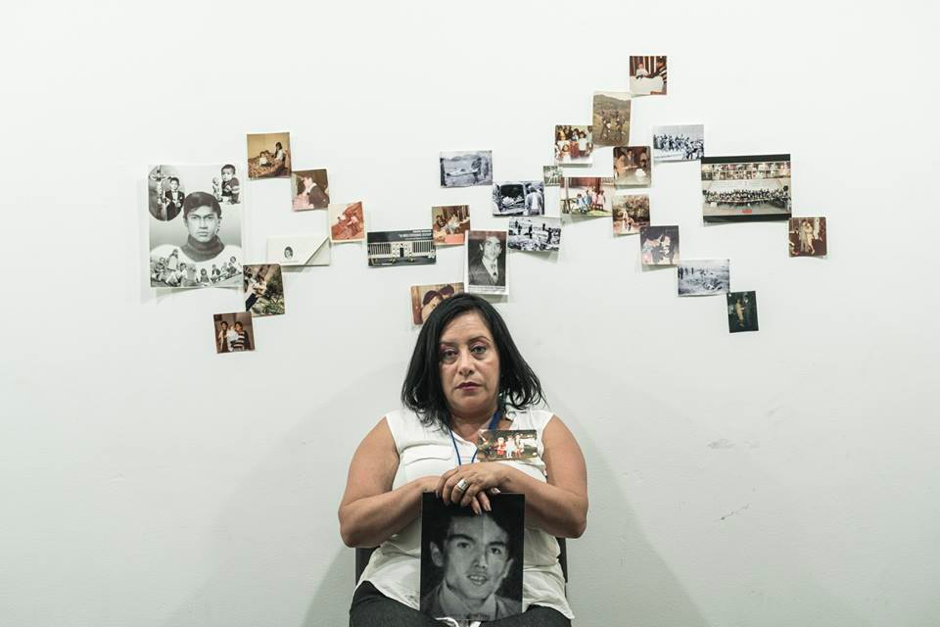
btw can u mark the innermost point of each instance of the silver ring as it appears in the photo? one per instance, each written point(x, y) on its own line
point(462, 485)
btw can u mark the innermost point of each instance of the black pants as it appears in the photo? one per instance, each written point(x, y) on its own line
point(371, 608)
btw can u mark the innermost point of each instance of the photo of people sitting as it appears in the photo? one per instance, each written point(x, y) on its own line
point(269, 155)
point(311, 189)
point(347, 223)
point(573, 144)
point(450, 224)
point(779, 197)
point(632, 166)
point(648, 76)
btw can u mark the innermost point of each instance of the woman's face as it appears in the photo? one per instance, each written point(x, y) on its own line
point(469, 365)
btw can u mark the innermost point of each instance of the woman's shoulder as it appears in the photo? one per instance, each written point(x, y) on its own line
point(530, 417)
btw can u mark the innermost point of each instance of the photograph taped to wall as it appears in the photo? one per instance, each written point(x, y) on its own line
point(552, 175)
point(519, 198)
point(401, 248)
point(234, 332)
point(299, 250)
point(466, 168)
point(347, 222)
point(632, 166)
point(269, 155)
point(263, 286)
point(648, 76)
point(454, 544)
point(742, 311)
point(195, 224)
point(611, 118)
point(311, 189)
point(486, 263)
point(659, 245)
point(534, 235)
point(574, 144)
point(746, 188)
point(450, 224)
point(587, 196)
point(704, 277)
point(630, 212)
point(680, 142)
point(508, 444)
point(426, 298)
point(807, 237)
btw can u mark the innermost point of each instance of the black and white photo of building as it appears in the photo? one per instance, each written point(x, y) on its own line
point(684, 142)
point(704, 277)
point(519, 198)
point(400, 248)
point(746, 189)
point(534, 234)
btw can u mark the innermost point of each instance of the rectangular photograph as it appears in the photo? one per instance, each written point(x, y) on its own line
point(234, 332)
point(587, 196)
point(426, 298)
point(632, 166)
point(519, 198)
point(631, 212)
point(659, 245)
point(807, 237)
point(508, 444)
point(681, 142)
point(647, 76)
point(269, 155)
point(347, 222)
point(466, 168)
point(746, 189)
point(471, 565)
point(401, 248)
point(611, 118)
point(535, 235)
point(300, 250)
point(574, 144)
point(264, 289)
point(551, 175)
point(704, 277)
point(450, 224)
point(311, 189)
point(486, 263)
point(742, 311)
point(195, 224)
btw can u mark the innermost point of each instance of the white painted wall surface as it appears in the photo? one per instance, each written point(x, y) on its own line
point(779, 478)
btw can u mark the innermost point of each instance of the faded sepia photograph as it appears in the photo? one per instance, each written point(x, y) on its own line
point(682, 142)
point(704, 277)
point(647, 76)
point(311, 189)
point(466, 168)
point(587, 196)
point(508, 444)
point(536, 235)
point(742, 311)
point(659, 245)
point(632, 166)
point(486, 263)
point(519, 198)
point(574, 144)
point(551, 175)
point(450, 224)
point(611, 120)
point(401, 248)
point(264, 289)
point(426, 298)
point(746, 189)
point(807, 237)
point(234, 332)
point(347, 222)
point(631, 212)
point(269, 155)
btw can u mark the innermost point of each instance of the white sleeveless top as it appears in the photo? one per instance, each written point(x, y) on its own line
point(394, 568)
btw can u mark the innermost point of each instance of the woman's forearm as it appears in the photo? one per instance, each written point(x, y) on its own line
point(370, 521)
point(547, 507)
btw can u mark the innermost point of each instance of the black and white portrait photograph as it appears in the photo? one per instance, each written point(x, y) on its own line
point(746, 189)
point(682, 142)
point(471, 565)
point(807, 237)
point(196, 236)
point(742, 311)
point(269, 155)
point(234, 332)
point(534, 235)
point(519, 198)
point(574, 144)
point(630, 213)
point(704, 277)
point(632, 166)
point(263, 287)
point(587, 196)
point(659, 245)
point(611, 118)
point(647, 76)
point(311, 189)
point(401, 248)
point(551, 175)
point(466, 168)
point(486, 263)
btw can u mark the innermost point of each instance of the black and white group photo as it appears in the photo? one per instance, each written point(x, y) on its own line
point(704, 277)
point(486, 263)
point(742, 311)
point(552, 175)
point(746, 188)
point(466, 168)
point(611, 118)
point(234, 332)
point(401, 248)
point(684, 142)
point(534, 234)
point(659, 245)
point(519, 198)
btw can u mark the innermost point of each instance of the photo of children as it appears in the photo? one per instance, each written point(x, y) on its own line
point(347, 222)
point(269, 155)
point(499, 444)
point(450, 224)
point(631, 212)
point(234, 332)
point(573, 144)
point(311, 189)
point(587, 196)
point(263, 289)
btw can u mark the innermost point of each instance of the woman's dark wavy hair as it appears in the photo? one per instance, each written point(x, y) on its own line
point(422, 391)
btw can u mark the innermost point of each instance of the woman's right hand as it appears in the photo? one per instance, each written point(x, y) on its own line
point(479, 503)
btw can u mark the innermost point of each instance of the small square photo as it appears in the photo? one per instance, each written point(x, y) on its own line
point(269, 155)
point(347, 222)
point(631, 213)
point(659, 245)
point(234, 332)
point(648, 76)
point(450, 224)
point(807, 237)
point(311, 189)
point(264, 289)
point(574, 144)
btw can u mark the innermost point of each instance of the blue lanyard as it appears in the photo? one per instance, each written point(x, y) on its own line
point(493, 423)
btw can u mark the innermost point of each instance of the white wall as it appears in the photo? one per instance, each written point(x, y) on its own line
point(785, 477)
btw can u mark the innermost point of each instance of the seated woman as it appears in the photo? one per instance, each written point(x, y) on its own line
point(466, 375)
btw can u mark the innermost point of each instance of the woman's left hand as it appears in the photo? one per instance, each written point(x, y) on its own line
point(481, 478)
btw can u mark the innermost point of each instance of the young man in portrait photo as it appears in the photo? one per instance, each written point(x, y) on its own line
point(488, 267)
